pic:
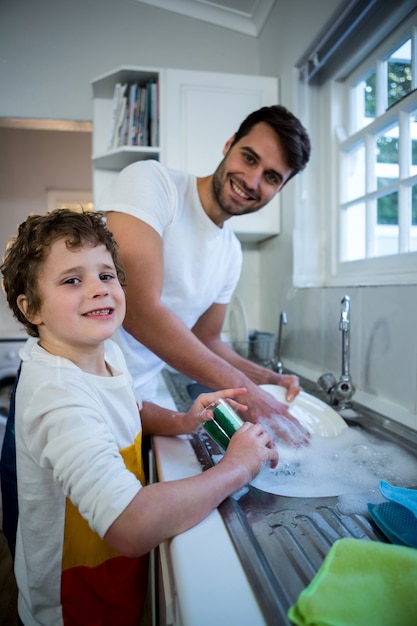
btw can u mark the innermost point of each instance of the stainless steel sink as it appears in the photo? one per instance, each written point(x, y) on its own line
point(282, 541)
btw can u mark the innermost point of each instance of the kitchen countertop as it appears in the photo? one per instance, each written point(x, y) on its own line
point(211, 586)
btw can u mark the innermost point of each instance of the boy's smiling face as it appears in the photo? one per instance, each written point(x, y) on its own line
point(82, 301)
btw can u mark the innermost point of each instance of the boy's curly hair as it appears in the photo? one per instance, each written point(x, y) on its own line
point(26, 253)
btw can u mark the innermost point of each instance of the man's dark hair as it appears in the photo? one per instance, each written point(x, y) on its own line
point(291, 133)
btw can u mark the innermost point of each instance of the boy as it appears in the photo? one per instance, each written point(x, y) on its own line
point(86, 518)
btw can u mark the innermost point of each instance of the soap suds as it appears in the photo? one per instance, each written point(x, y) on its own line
point(350, 463)
point(357, 503)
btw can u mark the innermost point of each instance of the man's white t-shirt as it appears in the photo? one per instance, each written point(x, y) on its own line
point(202, 262)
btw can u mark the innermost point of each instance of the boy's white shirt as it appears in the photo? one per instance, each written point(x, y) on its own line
point(67, 444)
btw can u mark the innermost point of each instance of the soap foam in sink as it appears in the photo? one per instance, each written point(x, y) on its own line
point(349, 463)
point(357, 503)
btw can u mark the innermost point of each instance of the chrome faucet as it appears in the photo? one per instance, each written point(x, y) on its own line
point(341, 392)
point(277, 363)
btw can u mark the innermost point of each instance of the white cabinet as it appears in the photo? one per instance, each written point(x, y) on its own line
point(203, 110)
point(198, 112)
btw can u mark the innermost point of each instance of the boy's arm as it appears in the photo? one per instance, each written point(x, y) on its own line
point(162, 510)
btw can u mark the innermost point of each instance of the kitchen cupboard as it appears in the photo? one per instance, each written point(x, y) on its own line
point(198, 113)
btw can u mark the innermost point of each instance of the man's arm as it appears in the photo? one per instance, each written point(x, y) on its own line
point(151, 323)
point(261, 404)
point(208, 330)
point(147, 319)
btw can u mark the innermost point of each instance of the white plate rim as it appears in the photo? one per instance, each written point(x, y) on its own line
point(317, 416)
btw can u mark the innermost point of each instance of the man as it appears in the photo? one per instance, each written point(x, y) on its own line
point(183, 260)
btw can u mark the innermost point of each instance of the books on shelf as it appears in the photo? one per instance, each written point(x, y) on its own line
point(135, 115)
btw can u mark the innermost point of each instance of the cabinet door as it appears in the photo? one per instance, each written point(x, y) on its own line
point(202, 111)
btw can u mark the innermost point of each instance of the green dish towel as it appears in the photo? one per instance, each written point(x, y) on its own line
point(361, 583)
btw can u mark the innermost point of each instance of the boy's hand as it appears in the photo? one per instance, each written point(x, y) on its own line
point(252, 447)
point(199, 413)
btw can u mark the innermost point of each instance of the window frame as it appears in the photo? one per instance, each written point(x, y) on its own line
point(334, 97)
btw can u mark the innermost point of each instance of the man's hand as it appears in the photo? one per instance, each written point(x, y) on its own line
point(290, 382)
point(263, 405)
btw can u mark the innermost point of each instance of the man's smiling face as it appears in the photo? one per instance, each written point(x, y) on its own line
point(253, 170)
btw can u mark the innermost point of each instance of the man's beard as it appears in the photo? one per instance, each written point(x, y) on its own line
point(219, 183)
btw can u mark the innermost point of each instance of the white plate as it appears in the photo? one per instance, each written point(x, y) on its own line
point(312, 470)
point(337, 461)
point(314, 414)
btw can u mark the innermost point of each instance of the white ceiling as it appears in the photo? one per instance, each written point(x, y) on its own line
point(244, 16)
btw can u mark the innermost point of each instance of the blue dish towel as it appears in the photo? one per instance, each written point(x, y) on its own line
point(361, 583)
point(400, 495)
point(397, 518)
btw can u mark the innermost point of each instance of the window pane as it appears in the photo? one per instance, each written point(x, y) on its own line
point(387, 209)
point(413, 135)
point(353, 233)
point(387, 169)
point(387, 231)
point(414, 205)
point(364, 102)
point(413, 233)
point(354, 181)
point(399, 73)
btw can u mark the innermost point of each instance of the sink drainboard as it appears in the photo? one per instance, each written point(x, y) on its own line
point(282, 541)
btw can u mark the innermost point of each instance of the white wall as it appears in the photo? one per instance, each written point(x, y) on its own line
point(50, 50)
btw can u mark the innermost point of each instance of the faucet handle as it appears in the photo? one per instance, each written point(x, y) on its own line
point(327, 382)
point(344, 389)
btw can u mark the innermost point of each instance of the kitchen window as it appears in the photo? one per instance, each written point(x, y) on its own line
point(378, 158)
point(367, 117)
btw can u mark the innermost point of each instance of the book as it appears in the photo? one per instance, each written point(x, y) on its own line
point(115, 111)
point(133, 97)
point(121, 110)
point(143, 117)
point(153, 114)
